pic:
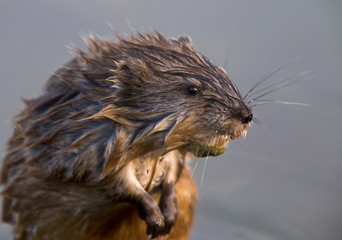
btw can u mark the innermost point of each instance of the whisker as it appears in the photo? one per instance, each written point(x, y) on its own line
point(258, 122)
point(206, 159)
point(217, 140)
point(204, 167)
point(197, 159)
point(276, 89)
point(206, 149)
point(227, 57)
point(195, 166)
point(263, 79)
point(279, 83)
point(269, 75)
point(265, 102)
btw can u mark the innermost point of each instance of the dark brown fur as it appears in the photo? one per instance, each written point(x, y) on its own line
point(112, 128)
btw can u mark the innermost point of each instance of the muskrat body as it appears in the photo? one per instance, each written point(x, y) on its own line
point(103, 151)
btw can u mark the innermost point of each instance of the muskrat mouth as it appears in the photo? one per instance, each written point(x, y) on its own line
point(217, 145)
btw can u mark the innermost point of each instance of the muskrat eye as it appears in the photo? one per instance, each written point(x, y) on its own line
point(193, 90)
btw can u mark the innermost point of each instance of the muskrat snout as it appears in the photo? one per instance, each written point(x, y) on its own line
point(247, 118)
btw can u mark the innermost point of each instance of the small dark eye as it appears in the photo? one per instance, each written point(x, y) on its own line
point(193, 90)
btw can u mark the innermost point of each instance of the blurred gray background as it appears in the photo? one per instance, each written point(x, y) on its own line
point(283, 182)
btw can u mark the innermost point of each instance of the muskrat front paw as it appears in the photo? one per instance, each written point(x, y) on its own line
point(155, 225)
point(168, 207)
point(149, 212)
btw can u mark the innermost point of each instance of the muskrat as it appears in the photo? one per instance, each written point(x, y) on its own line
point(103, 150)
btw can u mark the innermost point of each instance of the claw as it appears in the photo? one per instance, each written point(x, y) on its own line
point(149, 212)
point(155, 228)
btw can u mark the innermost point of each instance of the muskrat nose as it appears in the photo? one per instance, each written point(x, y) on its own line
point(247, 118)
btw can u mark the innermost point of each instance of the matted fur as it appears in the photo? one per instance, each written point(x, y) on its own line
point(103, 109)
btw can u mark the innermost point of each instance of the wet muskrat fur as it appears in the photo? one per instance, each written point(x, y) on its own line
point(102, 152)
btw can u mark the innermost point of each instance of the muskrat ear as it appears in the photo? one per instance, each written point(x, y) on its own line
point(186, 40)
point(134, 68)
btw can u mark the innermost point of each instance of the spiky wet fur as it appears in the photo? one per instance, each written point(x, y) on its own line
point(105, 108)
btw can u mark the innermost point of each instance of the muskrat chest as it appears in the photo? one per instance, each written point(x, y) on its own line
point(151, 172)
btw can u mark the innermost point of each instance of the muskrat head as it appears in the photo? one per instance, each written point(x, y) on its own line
point(214, 110)
point(167, 95)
